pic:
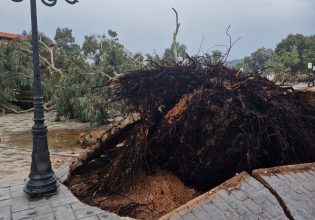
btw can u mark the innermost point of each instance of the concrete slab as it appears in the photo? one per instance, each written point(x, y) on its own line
point(294, 187)
point(241, 197)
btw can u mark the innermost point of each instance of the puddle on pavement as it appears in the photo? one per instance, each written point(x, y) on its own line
point(15, 149)
point(64, 140)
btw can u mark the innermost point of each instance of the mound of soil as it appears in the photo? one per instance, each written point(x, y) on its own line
point(201, 124)
point(150, 197)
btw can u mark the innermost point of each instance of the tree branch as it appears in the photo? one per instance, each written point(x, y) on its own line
point(203, 38)
point(46, 108)
point(50, 50)
point(174, 37)
point(50, 65)
point(230, 44)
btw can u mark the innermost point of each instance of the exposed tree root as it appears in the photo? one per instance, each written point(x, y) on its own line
point(203, 125)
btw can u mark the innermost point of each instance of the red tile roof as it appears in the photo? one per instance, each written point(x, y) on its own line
point(11, 36)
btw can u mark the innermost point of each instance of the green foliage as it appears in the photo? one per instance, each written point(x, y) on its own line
point(304, 45)
point(257, 61)
point(74, 98)
point(73, 78)
point(169, 52)
point(215, 57)
point(64, 39)
point(68, 55)
point(107, 54)
point(283, 64)
point(289, 58)
point(308, 55)
point(80, 93)
point(15, 72)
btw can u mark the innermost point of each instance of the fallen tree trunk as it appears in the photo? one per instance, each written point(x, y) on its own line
point(47, 107)
point(103, 140)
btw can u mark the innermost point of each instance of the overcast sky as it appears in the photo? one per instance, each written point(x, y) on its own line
point(148, 25)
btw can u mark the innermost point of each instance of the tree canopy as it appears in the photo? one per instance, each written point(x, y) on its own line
point(71, 75)
point(289, 58)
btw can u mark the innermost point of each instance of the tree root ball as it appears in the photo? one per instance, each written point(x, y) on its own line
point(203, 125)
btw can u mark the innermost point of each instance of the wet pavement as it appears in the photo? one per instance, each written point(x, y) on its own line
point(16, 141)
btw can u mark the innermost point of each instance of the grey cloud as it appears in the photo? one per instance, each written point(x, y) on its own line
point(145, 25)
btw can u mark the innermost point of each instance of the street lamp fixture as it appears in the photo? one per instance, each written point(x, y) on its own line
point(309, 66)
point(42, 179)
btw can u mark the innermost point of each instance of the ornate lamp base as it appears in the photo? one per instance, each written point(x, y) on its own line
point(41, 184)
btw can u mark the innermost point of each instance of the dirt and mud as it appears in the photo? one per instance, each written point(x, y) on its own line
point(149, 197)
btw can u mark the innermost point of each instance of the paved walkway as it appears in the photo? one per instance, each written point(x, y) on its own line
point(294, 186)
point(286, 192)
point(16, 141)
point(278, 193)
point(62, 205)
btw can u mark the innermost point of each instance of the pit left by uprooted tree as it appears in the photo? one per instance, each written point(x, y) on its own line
point(202, 124)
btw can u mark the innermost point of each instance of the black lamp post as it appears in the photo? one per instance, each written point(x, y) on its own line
point(41, 178)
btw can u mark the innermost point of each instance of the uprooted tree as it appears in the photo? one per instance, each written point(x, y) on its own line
point(199, 120)
point(202, 124)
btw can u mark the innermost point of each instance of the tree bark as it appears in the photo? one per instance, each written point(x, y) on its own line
point(89, 153)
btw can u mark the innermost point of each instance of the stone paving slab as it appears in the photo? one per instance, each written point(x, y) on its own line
point(294, 185)
point(286, 192)
point(62, 205)
point(241, 197)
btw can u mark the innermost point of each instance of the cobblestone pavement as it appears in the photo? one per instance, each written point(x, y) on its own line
point(277, 193)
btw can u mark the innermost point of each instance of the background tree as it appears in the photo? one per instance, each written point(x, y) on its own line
point(283, 65)
point(67, 52)
point(257, 61)
point(290, 43)
point(304, 46)
point(308, 55)
point(107, 55)
point(168, 55)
